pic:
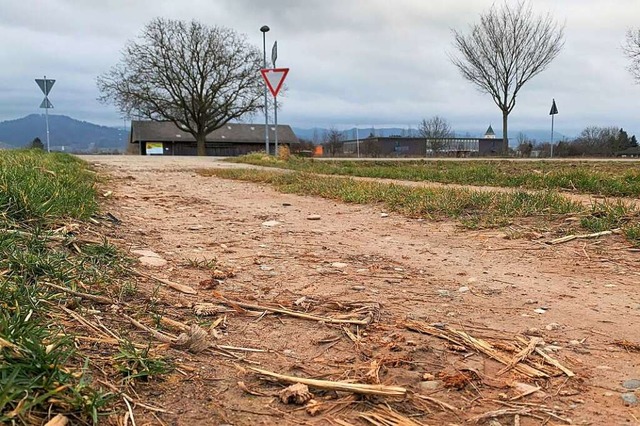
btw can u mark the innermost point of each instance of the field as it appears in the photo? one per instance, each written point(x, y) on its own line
point(606, 178)
point(399, 302)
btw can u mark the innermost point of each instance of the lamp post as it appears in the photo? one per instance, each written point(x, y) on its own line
point(264, 29)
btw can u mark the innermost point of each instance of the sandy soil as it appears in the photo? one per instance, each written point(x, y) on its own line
point(394, 268)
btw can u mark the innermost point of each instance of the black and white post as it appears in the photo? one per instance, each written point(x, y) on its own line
point(46, 85)
point(265, 29)
point(554, 111)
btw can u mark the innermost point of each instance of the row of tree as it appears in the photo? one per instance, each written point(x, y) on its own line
point(593, 141)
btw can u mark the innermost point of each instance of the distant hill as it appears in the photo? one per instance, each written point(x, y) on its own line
point(316, 134)
point(65, 133)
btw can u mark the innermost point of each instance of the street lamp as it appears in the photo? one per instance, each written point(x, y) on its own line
point(264, 29)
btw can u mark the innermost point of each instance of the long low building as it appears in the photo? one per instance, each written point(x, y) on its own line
point(233, 139)
point(396, 146)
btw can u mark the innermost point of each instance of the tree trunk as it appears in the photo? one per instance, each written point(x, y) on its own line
point(200, 141)
point(505, 138)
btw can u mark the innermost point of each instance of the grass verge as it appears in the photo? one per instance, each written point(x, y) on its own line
point(474, 209)
point(43, 198)
point(599, 178)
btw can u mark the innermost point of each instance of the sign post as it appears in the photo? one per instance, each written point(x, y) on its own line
point(274, 78)
point(554, 111)
point(274, 58)
point(46, 85)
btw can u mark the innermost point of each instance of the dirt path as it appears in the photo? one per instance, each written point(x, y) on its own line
point(355, 258)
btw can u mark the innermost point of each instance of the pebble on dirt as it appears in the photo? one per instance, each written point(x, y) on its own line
point(430, 384)
point(150, 258)
point(631, 384)
point(313, 217)
point(270, 223)
point(629, 399)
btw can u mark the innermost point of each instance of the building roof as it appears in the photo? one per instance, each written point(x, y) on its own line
point(166, 131)
point(489, 132)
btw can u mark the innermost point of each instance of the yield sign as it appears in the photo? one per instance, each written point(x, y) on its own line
point(274, 78)
point(554, 108)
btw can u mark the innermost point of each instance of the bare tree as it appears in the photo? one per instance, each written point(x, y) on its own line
point(196, 76)
point(632, 51)
point(333, 142)
point(506, 49)
point(434, 130)
point(525, 145)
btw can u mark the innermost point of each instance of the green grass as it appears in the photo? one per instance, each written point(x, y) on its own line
point(473, 208)
point(36, 187)
point(599, 178)
point(41, 370)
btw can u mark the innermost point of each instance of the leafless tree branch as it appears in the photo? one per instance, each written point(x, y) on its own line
point(434, 130)
point(196, 76)
point(508, 47)
point(631, 50)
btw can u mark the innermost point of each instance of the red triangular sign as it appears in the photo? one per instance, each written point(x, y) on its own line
point(274, 78)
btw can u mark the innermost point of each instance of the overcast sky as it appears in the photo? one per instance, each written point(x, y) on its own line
point(353, 62)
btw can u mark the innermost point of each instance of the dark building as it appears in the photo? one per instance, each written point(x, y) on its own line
point(233, 139)
point(421, 147)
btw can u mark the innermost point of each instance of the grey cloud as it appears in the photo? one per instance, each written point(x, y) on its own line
point(367, 62)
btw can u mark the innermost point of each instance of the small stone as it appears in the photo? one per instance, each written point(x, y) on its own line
point(430, 384)
point(552, 326)
point(629, 399)
point(610, 285)
point(339, 265)
point(463, 289)
point(270, 223)
point(575, 342)
point(155, 262)
point(358, 287)
point(530, 302)
point(266, 268)
point(145, 253)
point(540, 311)
point(444, 293)
point(428, 376)
point(631, 384)
point(609, 394)
point(313, 217)
point(533, 331)
point(286, 204)
point(384, 215)
point(472, 280)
